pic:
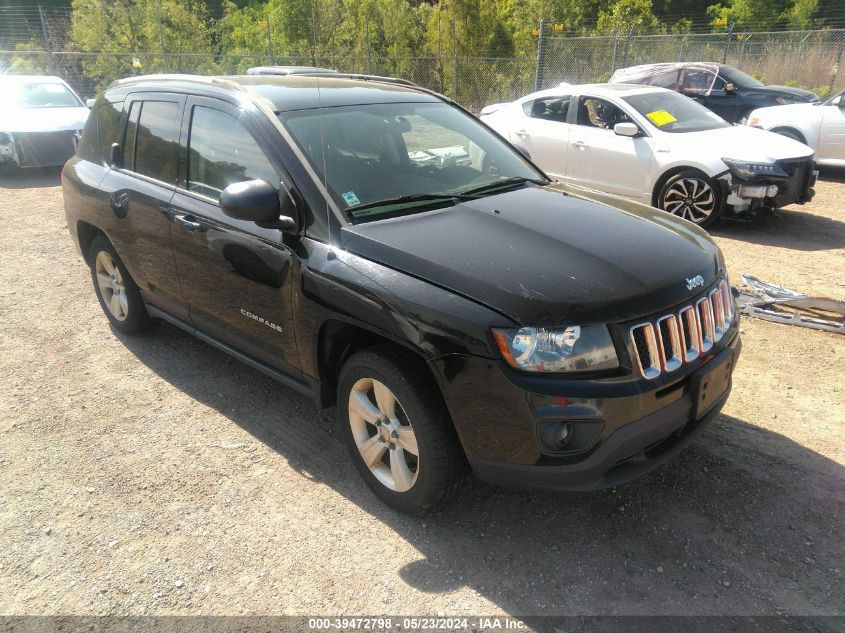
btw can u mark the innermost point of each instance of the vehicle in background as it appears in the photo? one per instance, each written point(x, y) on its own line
point(819, 125)
point(658, 147)
point(344, 237)
point(39, 117)
point(727, 91)
point(288, 70)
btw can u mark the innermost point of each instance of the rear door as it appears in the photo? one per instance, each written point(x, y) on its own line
point(600, 158)
point(543, 130)
point(236, 276)
point(139, 192)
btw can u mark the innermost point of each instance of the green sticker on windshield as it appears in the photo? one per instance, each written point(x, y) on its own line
point(350, 199)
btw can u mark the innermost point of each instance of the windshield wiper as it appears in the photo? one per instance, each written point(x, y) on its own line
point(504, 182)
point(415, 197)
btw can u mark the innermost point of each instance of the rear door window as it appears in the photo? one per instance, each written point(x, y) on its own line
point(221, 151)
point(157, 140)
point(548, 108)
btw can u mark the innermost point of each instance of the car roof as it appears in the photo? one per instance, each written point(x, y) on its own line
point(602, 90)
point(647, 69)
point(286, 92)
point(46, 79)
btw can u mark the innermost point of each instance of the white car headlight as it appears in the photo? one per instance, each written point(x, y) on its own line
point(555, 350)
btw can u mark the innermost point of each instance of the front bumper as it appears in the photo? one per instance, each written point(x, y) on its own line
point(642, 424)
point(797, 188)
point(37, 149)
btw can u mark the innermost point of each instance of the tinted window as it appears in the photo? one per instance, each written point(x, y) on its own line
point(156, 141)
point(599, 113)
point(548, 108)
point(108, 123)
point(88, 148)
point(221, 151)
point(129, 135)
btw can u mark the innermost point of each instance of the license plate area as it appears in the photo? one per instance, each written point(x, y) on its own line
point(709, 384)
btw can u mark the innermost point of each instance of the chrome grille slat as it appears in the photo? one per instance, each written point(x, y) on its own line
point(668, 341)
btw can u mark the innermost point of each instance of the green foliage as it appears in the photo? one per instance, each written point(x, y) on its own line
point(626, 14)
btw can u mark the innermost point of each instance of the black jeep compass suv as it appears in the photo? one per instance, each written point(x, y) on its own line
point(375, 246)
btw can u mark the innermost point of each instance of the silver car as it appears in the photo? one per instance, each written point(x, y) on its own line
point(39, 117)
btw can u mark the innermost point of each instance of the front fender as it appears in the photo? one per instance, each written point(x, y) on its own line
point(338, 285)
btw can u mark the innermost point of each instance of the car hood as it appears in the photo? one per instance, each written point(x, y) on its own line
point(797, 93)
point(738, 142)
point(42, 119)
point(542, 257)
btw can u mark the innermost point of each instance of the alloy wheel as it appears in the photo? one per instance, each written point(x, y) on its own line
point(384, 435)
point(112, 288)
point(690, 198)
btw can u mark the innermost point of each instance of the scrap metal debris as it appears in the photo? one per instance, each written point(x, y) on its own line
point(772, 302)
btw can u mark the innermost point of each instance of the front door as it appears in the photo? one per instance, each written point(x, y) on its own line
point(236, 276)
point(139, 192)
point(600, 158)
point(832, 134)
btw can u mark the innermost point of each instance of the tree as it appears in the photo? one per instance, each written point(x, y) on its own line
point(625, 14)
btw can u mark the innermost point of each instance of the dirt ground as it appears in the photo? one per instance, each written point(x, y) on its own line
point(158, 476)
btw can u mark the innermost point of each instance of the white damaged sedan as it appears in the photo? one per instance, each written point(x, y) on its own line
point(658, 147)
point(39, 116)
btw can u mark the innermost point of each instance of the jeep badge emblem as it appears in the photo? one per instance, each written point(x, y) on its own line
point(694, 282)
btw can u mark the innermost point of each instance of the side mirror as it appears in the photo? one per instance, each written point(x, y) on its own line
point(116, 155)
point(258, 201)
point(730, 89)
point(89, 103)
point(626, 129)
point(839, 101)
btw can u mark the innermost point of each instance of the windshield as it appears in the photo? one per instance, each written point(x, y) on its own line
point(672, 112)
point(404, 155)
point(37, 94)
point(739, 78)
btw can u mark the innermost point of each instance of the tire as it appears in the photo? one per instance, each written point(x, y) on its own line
point(788, 132)
point(117, 292)
point(413, 484)
point(694, 205)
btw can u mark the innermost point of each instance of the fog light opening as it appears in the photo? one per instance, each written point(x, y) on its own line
point(556, 435)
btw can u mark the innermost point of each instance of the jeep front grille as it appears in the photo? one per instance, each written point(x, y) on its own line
point(666, 343)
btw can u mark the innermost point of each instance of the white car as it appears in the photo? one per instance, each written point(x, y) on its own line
point(819, 125)
point(658, 147)
point(39, 116)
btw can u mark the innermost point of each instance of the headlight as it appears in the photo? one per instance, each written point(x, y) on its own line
point(752, 171)
point(568, 349)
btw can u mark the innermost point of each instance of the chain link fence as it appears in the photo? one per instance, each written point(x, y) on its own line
point(809, 59)
point(37, 40)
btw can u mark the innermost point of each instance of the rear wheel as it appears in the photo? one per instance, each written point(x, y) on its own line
point(398, 431)
point(119, 296)
point(693, 196)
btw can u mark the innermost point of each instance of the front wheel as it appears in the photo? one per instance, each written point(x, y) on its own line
point(398, 431)
point(693, 196)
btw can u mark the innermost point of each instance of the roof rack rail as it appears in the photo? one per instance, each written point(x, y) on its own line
point(200, 79)
point(361, 77)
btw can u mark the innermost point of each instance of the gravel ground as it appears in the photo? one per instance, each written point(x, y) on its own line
point(158, 476)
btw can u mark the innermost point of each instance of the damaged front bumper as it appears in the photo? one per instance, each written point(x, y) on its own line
point(771, 193)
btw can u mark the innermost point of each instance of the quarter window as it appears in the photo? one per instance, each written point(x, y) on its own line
point(221, 151)
point(108, 122)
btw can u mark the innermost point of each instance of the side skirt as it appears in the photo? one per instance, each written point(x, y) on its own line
point(309, 388)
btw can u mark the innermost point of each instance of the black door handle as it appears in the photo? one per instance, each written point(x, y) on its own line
point(189, 222)
point(119, 202)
